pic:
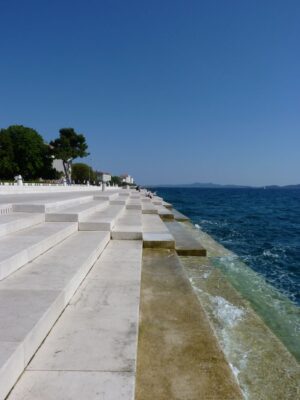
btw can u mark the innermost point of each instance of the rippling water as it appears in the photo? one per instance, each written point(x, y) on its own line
point(261, 226)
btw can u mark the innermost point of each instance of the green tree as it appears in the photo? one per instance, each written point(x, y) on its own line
point(81, 173)
point(116, 180)
point(67, 147)
point(23, 151)
point(8, 166)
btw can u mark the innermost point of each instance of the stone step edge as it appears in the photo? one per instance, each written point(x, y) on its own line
point(87, 225)
point(158, 240)
point(58, 205)
point(20, 223)
point(65, 216)
point(20, 259)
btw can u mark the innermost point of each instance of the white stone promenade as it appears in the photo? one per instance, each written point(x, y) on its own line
point(70, 266)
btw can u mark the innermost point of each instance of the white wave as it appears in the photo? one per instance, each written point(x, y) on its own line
point(235, 370)
point(197, 226)
point(268, 253)
point(197, 289)
point(228, 314)
point(230, 262)
point(216, 223)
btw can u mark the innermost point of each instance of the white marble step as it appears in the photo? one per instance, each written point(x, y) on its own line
point(158, 201)
point(128, 226)
point(164, 213)
point(76, 213)
point(52, 204)
point(14, 222)
point(153, 224)
point(119, 200)
point(148, 208)
point(106, 196)
point(91, 351)
point(167, 205)
point(155, 233)
point(103, 220)
point(178, 216)
point(134, 204)
point(19, 248)
point(33, 298)
point(122, 200)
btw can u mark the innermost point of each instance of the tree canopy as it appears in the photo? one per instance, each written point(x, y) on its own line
point(23, 151)
point(69, 145)
point(116, 180)
point(81, 173)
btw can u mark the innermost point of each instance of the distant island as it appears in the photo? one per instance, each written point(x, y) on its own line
point(218, 186)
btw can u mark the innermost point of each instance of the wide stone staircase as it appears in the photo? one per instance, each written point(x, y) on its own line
point(79, 254)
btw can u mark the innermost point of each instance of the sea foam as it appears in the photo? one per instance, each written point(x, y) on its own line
point(226, 312)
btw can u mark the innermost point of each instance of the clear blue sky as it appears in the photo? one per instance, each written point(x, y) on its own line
point(169, 91)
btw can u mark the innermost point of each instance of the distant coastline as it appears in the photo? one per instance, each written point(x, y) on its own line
point(218, 186)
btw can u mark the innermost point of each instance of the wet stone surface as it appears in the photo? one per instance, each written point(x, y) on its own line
point(178, 354)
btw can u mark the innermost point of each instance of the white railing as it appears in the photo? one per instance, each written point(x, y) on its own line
point(37, 184)
point(12, 188)
point(5, 209)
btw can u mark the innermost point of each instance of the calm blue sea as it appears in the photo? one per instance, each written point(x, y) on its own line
point(261, 226)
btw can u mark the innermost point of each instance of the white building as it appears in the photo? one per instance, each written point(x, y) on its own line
point(127, 179)
point(104, 176)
